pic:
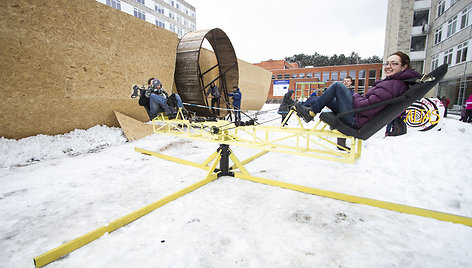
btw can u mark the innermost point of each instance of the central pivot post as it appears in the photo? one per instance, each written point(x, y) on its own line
point(224, 161)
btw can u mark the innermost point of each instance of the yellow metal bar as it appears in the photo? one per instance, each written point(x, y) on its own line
point(362, 200)
point(68, 247)
point(72, 245)
point(171, 158)
point(210, 158)
point(237, 163)
point(252, 158)
point(118, 223)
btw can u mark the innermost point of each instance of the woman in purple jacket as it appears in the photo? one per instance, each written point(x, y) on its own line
point(339, 99)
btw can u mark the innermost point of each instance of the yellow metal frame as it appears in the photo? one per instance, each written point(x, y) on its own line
point(83, 240)
point(255, 137)
point(244, 174)
point(316, 142)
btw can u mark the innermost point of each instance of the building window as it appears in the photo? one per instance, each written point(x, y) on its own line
point(420, 17)
point(334, 76)
point(352, 74)
point(279, 76)
point(273, 76)
point(318, 75)
point(294, 75)
point(326, 76)
point(451, 26)
point(438, 35)
point(140, 1)
point(161, 24)
point(171, 15)
point(434, 62)
point(417, 66)
point(159, 9)
point(372, 77)
point(172, 27)
point(448, 56)
point(301, 75)
point(465, 17)
point(342, 75)
point(418, 43)
point(286, 76)
point(309, 75)
point(114, 4)
point(139, 13)
point(179, 32)
point(372, 74)
point(461, 55)
point(441, 8)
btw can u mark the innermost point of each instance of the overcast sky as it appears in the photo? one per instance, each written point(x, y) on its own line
point(263, 29)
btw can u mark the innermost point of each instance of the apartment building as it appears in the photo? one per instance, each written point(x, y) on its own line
point(305, 81)
point(176, 16)
point(435, 32)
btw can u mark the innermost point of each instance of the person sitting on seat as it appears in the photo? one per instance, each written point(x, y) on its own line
point(339, 98)
point(143, 99)
point(158, 100)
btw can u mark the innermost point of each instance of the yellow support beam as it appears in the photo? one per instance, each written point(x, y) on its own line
point(361, 200)
point(316, 140)
point(74, 244)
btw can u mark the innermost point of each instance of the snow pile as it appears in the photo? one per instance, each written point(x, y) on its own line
point(42, 147)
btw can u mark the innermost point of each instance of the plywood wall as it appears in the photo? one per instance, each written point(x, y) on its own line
point(68, 65)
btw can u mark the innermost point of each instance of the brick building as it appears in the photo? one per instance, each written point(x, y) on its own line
point(305, 81)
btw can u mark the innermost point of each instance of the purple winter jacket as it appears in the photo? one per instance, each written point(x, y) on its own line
point(388, 88)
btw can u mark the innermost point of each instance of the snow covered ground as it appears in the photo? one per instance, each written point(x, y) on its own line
point(57, 188)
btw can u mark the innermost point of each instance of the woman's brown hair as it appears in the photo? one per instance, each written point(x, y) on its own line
point(403, 57)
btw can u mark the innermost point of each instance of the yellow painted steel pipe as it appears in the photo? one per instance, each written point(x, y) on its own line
point(362, 200)
point(72, 245)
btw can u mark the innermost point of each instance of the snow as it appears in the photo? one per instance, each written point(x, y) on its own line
point(57, 188)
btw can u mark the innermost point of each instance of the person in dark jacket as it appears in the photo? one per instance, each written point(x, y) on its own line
point(287, 102)
point(236, 95)
point(215, 99)
point(338, 97)
point(144, 100)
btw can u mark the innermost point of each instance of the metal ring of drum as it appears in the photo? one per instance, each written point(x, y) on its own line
point(189, 76)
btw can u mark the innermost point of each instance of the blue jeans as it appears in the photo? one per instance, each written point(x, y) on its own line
point(310, 101)
point(158, 104)
point(179, 104)
point(237, 114)
point(339, 99)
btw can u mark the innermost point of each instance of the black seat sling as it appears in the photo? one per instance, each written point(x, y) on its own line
point(393, 107)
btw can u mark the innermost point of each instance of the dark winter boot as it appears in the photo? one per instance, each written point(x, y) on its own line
point(342, 142)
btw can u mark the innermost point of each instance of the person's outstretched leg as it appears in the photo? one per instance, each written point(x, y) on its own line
point(158, 102)
point(337, 97)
